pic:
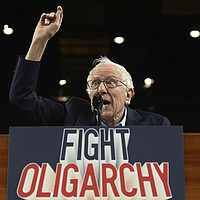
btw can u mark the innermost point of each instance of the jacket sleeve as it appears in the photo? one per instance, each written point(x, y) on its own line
point(23, 96)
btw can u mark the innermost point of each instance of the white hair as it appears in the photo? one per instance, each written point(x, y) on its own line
point(126, 77)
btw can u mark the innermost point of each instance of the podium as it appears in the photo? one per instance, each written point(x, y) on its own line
point(127, 162)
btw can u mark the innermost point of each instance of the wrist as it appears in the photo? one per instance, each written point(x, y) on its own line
point(39, 41)
point(36, 49)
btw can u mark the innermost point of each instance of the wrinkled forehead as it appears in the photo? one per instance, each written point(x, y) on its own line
point(106, 71)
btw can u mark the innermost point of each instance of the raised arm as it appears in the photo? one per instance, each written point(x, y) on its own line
point(23, 94)
point(46, 28)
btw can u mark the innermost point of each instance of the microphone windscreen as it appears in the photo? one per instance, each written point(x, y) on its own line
point(97, 102)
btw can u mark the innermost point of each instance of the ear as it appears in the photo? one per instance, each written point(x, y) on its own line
point(90, 96)
point(130, 94)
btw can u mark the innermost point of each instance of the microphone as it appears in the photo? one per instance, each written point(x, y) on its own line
point(97, 106)
point(97, 102)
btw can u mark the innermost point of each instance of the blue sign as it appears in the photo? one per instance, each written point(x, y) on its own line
point(96, 163)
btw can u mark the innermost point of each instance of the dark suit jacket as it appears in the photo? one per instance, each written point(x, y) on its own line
point(75, 112)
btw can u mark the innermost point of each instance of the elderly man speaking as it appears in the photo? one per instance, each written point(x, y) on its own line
point(108, 79)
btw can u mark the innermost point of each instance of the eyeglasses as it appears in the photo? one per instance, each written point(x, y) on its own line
point(108, 83)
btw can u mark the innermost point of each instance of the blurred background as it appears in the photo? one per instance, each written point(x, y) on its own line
point(155, 43)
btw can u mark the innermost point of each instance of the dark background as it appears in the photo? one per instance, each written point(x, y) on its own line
point(157, 45)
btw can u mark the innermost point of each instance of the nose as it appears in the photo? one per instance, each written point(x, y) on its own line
point(102, 88)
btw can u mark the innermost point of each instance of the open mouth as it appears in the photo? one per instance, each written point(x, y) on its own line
point(105, 102)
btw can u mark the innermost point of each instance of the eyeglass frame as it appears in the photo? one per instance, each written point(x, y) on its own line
point(106, 84)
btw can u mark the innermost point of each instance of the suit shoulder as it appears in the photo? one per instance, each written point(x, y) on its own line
point(76, 103)
point(77, 100)
point(152, 118)
point(147, 113)
point(78, 112)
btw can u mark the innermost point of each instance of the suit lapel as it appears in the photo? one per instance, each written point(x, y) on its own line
point(133, 118)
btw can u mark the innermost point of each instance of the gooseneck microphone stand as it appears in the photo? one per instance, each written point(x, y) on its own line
point(98, 107)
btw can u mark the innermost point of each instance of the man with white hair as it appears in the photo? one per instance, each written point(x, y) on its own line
point(107, 78)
